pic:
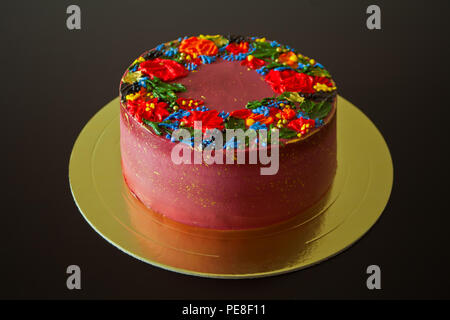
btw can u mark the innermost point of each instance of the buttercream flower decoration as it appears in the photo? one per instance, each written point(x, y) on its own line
point(284, 114)
point(164, 69)
point(217, 39)
point(292, 81)
point(150, 95)
point(188, 104)
point(195, 46)
point(210, 119)
point(252, 62)
point(253, 116)
point(258, 117)
point(301, 125)
point(289, 58)
point(236, 48)
point(241, 113)
point(131, 77)
point(148, 109)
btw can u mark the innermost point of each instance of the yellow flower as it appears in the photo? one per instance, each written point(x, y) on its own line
point(249, 122)
point(131, 77)
point(323, 87)
point(140, 59)
point(295, 97)
point(133, 96)
point(217, 39)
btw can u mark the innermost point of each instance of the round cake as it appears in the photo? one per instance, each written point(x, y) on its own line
point(184, 106)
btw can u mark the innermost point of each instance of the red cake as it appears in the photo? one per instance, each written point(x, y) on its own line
point(228, 83)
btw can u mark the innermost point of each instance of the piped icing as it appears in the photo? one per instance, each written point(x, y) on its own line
point(302, 89)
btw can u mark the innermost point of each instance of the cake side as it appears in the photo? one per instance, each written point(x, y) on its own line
point(228, 196)
point(224, 196)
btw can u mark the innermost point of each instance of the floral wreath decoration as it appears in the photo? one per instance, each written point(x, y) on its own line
point(305, 88)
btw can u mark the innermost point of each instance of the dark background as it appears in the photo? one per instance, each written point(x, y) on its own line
point(54, 80)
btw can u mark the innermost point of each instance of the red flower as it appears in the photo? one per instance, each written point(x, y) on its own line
point(210, 119)
point(241, 114)
point(287, 113)
point(164, 69)
point(251, 117)
point(258, 117)
point(150, 110)
point(289, 58)
point(236, 48)
point(197, 46)
point(301, 125)
point(196, 61)
point(292, 81)
point(188, 104)
point(252, 62)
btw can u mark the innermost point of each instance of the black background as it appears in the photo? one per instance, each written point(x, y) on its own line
point(54, 80)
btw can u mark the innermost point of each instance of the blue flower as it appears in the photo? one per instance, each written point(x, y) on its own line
point(282, 68)
point(143, 81)
point(224, 115)
point(178, 115)
point(202, 109)
point(258, 126)
point(318, 122)
point(262, 71)
point(191, 66)
point(160, 47)
point(318, 65)
point(171, 52)
point(274, 44)
point(262, 110)
point(303, 115)
point(276, 104)
point(207, 59)
point(235, 57)
point(172, 126)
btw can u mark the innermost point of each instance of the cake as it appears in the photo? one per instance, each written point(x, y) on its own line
point(287, 100)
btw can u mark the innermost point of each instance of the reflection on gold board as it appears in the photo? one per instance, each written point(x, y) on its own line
point(352, 205)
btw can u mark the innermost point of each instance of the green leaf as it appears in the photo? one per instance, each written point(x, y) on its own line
point(319, 72)
point(316, 109)
point(165, 91)
point(290, 96)
point(154, 126)
point(258, 103)
point(263, 50)
point(235, 123)
point(253, 104)
point(286, 133)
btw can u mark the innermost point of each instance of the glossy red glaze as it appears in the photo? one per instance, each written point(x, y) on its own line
point(225, 85)
point(224, 196)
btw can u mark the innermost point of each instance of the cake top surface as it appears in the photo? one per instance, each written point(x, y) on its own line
point(228, 82)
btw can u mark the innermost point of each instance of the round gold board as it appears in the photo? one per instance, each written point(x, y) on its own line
point(356, 200)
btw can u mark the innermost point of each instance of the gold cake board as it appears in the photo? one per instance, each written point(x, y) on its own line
point(354, 203)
